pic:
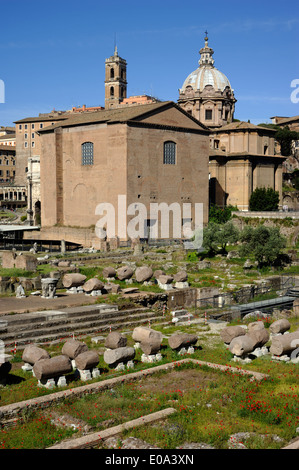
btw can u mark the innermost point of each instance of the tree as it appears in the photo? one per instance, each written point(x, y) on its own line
point(221, 215)
point(217, 236)
point(264, 199)
point(285, 137)
point(264, 243)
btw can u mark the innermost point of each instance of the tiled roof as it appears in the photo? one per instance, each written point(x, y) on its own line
point(113, 115)
point(242, 125)
point(43, 118)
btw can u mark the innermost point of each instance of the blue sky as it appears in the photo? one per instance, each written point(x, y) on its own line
point(52, 54)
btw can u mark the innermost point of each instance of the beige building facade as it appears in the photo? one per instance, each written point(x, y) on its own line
point(28, 151)
point(242, 155)
point(242, 158)
point(149, 153)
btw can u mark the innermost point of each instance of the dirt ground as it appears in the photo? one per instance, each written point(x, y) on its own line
point(175, 381)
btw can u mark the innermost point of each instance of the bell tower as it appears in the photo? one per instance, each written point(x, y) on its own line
point(115, 80)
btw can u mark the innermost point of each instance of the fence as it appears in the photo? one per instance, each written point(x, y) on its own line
point(249, 294)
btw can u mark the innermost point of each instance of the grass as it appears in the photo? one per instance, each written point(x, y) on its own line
point(7, 215)
point(211, 405)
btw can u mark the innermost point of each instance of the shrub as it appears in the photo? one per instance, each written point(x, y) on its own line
point(221, 215)
point(264, 199)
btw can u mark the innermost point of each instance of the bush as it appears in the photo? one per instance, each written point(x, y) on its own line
point(221, 215)
point(264, 199)
point(264, 243)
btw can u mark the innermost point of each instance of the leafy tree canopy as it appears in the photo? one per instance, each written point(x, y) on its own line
point(264, 243)
point(217, 236)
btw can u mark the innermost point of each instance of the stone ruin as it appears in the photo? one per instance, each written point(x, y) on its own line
point(181, 315)
point(245, 343)
point(51, 371)
point(83, 360)
point(149, 341)
point(285, 345)
point(49, 285)
point(11, 259)
point(5, 365)
point(183, 343)
point(117, 355)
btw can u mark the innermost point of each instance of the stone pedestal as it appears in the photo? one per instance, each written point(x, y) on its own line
point(183, 351)
point(181, 285)
point(151, 358)
point(27, 367)
point(52, 383)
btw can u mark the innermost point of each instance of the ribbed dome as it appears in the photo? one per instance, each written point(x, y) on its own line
point(206, 75)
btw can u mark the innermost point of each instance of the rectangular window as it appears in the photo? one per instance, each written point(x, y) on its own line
point(32, 135)
point(32, 144)
point(169, 157)
point(26, 145)
point(87, 153)
point(26, 136)
point(41, 126)
point(20, 127)
point(32, 126)
point(209, 114)
point(25, 126)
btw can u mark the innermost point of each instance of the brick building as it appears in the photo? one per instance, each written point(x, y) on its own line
point(149, 153)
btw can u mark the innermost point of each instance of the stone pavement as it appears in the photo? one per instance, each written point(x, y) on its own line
point(35, 303)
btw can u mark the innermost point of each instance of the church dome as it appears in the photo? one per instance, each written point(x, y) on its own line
point(206, 73)
point(207, 94)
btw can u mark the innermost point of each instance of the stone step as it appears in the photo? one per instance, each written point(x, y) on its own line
point(45, 315)
point(57, 324)
point(60, 318)
point(14, 334)
point(54, 338)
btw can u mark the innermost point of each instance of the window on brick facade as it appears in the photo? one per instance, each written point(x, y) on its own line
point(112, 91)
point(169, 157)
point(87, 153)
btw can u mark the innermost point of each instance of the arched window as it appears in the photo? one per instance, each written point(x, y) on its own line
point(87, 153)
point(169, 157)
point(112, 91)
